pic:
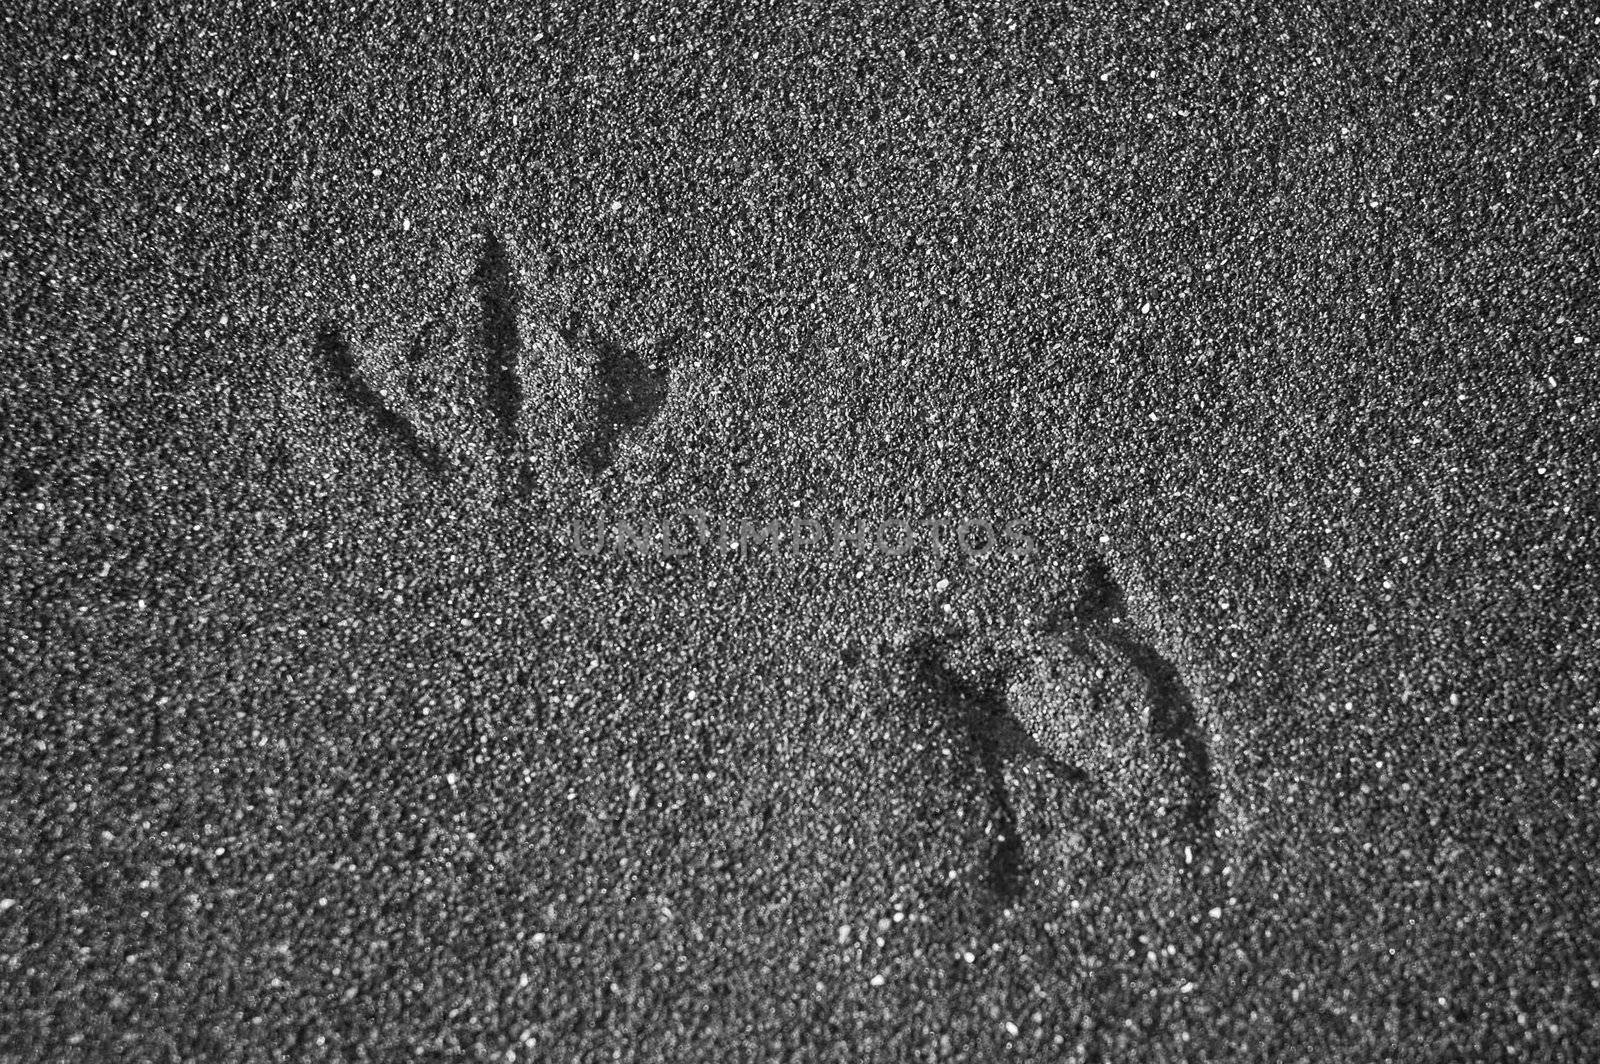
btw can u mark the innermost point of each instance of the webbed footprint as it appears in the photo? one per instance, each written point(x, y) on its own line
point(1099, 696)
point(486, 383)
point(1091, 752)
point(596, 396)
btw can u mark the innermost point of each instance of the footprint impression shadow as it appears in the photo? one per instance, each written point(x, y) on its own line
point(332, 353)
point(566, 396)
point(1090, 748)
point(627, 390)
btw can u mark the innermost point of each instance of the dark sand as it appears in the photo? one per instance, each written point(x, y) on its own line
point(317, 744)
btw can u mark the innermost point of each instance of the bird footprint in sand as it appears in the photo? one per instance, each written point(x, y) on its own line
point(1093, 759)
point(487, 382)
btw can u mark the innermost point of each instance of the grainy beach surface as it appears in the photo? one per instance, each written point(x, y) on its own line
point(324, 324)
